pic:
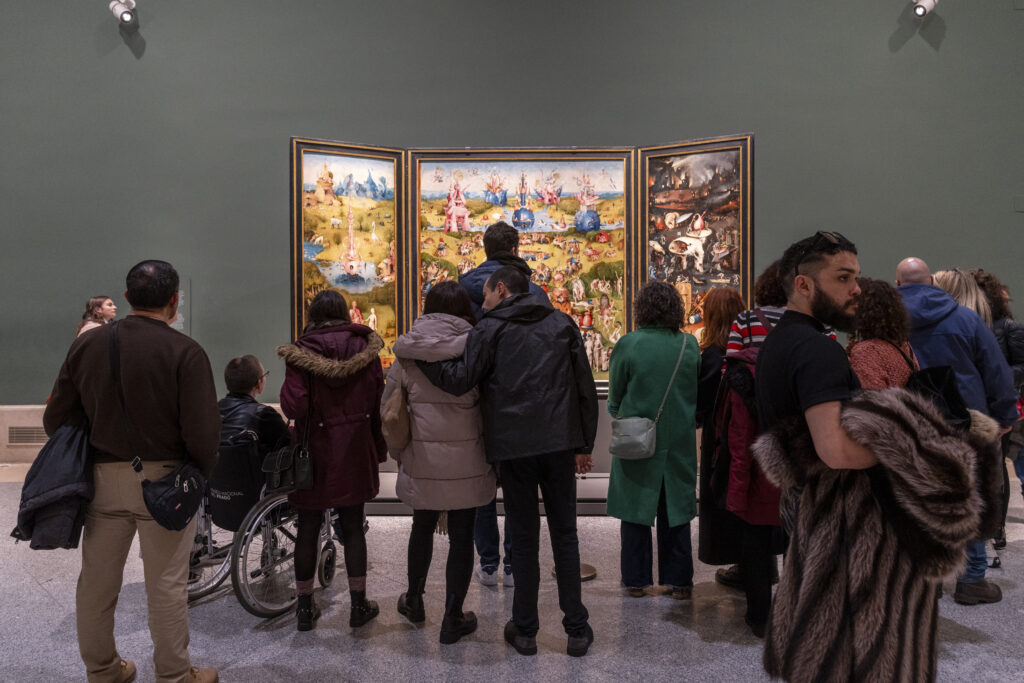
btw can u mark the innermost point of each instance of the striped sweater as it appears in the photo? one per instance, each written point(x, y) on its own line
point(748, 330)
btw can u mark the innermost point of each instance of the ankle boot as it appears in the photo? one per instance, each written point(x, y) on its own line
point(362, 609)
point(456, 623)
point(306, 613)
point(410, 604)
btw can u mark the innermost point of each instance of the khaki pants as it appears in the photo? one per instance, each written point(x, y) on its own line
point(113, 517)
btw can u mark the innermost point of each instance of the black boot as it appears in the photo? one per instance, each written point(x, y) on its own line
point(410, 604)
point(362, 609)
point(456, 623)
point(306, 613)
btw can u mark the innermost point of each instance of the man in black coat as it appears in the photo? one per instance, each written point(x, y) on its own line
point(501, 246)
point(539, 409)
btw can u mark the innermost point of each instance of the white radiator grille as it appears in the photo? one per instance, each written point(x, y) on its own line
point(26, 436)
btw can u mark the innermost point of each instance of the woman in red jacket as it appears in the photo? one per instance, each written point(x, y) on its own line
point(334, 375)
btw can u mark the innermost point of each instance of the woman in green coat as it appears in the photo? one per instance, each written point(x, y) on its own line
point(661, 488)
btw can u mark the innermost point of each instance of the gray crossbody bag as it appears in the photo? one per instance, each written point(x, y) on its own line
point(633, 438)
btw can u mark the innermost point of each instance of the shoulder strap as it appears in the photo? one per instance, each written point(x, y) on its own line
point(308, 380)
point(910, 363)
point(115, 370)
point(671, 379)
point(767, 324)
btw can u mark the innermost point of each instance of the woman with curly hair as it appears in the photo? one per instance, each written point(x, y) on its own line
point(879, 348)
point(661, 489)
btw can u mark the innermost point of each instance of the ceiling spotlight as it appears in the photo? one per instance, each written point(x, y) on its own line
point(923, 7)
point(124, 10)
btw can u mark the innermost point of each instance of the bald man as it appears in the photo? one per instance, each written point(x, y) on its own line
point(913, 271)
point(942, 332)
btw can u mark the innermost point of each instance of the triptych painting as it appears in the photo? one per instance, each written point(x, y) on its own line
point(383, 226)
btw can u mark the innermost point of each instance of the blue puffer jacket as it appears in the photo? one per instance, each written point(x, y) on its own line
point(942, 332)
point(473, 282)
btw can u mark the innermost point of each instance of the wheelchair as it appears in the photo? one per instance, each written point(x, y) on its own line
point(259, 556)
point(210, 559)
point(263, 554)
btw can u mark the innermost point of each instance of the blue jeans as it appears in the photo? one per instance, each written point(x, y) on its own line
point(977, 562)
point(486, 538)
point(675, 552)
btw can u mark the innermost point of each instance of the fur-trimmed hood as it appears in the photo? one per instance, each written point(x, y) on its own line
point(334, 352)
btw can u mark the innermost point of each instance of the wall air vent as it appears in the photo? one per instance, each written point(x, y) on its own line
point(26, 436)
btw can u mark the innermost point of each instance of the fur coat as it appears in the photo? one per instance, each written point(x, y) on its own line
point(869, 548)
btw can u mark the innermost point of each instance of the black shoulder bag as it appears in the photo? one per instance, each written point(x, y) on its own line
point(173, 499)
point(938, 384)
point(290, 468)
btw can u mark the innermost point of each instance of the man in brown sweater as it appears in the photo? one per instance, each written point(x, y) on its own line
point(171, 402)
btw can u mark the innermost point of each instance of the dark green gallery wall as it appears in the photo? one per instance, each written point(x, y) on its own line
point(907, 138)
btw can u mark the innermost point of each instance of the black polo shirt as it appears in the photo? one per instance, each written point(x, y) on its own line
point(798, 367)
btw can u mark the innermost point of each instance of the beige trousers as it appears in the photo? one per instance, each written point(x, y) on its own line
point(113, 517)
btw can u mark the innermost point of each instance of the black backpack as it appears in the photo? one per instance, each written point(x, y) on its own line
point(938, 384)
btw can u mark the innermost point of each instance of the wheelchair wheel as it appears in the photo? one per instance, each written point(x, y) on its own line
point(262, 558)
point(210, 559)
point(326, 566)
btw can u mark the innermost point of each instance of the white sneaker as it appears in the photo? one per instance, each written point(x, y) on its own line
point(488, 576)
point(507, 579)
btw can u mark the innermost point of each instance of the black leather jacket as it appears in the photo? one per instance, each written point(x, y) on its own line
point(537, 392)
point(1010, 335)
point(239, 412)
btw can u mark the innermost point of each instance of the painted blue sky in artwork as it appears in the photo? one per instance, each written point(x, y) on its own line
point(607, 177)
point(342, 166)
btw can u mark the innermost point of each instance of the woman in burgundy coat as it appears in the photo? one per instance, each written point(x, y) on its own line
point(335, 365)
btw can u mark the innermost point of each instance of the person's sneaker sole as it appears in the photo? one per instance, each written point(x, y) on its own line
point(529, 645)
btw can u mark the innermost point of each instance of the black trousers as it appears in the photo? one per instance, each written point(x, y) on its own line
point(308, 524)
point(458, 569)
point(758, 570)
point(555, 475)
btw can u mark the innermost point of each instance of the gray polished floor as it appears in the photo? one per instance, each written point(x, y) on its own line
point(653, 639)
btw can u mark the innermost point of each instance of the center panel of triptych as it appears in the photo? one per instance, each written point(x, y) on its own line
point(572, 216)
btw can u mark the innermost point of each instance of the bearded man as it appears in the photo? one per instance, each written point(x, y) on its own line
point(879, 493)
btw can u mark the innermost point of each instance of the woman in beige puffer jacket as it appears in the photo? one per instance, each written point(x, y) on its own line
point(443, 466)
